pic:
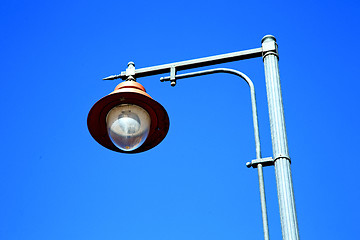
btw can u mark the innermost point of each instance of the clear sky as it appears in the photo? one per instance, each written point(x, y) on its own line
point(57, 182)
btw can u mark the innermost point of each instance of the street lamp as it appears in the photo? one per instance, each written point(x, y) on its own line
point(129, 121)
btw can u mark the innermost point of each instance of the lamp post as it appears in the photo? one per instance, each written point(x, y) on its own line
point(129, 121)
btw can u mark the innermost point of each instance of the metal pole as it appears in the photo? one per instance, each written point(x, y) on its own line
point(263, 201)
point(289, 224)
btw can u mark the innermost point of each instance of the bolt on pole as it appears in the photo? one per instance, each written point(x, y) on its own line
point(289, 224)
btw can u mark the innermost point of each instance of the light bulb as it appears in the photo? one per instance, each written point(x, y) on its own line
point(128, 126)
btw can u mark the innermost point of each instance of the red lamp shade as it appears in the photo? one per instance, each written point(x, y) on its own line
point(128, 120)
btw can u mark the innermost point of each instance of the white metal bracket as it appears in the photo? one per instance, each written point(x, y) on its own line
point(269, 161)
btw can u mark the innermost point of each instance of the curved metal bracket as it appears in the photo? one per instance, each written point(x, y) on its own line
point(234, 72)
point(259, 162)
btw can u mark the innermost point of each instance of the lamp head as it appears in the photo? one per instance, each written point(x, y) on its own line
point(128, 120)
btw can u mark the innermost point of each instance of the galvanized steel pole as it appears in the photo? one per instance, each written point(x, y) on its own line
point(289, 225)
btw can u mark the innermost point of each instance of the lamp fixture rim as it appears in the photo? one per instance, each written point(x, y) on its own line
point(96, 120)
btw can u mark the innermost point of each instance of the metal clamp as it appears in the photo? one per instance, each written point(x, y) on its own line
point(270, 53)
point(269, 48)
point(130, 72)
point(282, 156)
point(269, 161)
point(173, 76)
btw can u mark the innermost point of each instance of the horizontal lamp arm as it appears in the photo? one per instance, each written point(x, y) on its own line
point(189, 64)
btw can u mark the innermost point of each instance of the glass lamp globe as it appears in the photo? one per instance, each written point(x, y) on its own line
point(128, 126)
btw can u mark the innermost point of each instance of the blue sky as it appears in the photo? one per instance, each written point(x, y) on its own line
point(56, 182)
